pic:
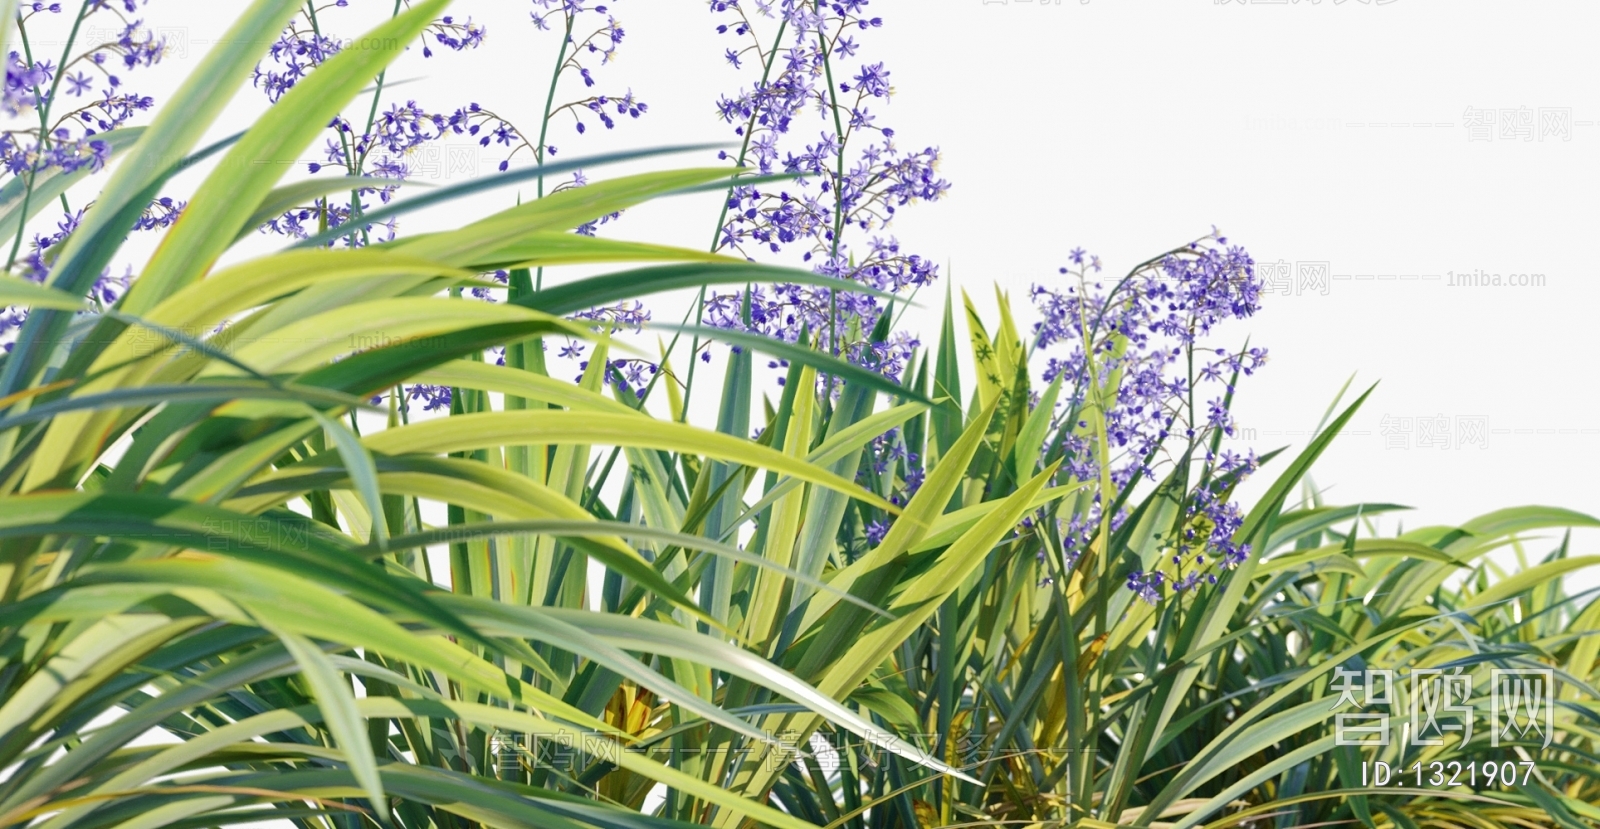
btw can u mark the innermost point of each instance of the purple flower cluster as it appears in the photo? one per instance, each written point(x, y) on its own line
point(25, 84)
point(1143, 332)
point(628, 377)
point(72, 106)
point(852, 177)
point(577, 56)
point(95, 99)
point(1078, 530)
point(386, 146)
point(1147, 586)
point(291, 57)
point(433, 398)
point(891, 468)
point(601, 43)
point(454, 35)
point(889, 457)
point(303, 46)
point(1147, 334)
point(1204, 544)
point(630, 314)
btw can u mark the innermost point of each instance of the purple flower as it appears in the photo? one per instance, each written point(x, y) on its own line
point(79, 84)
point(1147, 586)
point(433, 397)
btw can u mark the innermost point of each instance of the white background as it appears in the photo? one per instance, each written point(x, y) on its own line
point(1307, 131)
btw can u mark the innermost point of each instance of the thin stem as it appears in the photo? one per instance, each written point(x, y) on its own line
point(544, 123)
point(361, 161)
point(699, 310)
point(838, 188)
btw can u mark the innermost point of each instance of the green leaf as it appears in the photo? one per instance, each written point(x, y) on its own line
point(602, 290)
point(469, 374)
point(358, 462)
point(289, 196)
point(1363, 548)
point(947, 381)
point(474, 431)
point(918, 519)
point(561, 211)
point(605, 529)
point(1030, 441)
point(1513, 520)
point(822, 362)
point(483, 184)
point(14, 291)
point(338, 705)
point(207, 392)
point(256, 282)
point(544, 249)
point(1529, 579)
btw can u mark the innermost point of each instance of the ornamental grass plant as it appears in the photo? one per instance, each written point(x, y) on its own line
point(395, 526)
